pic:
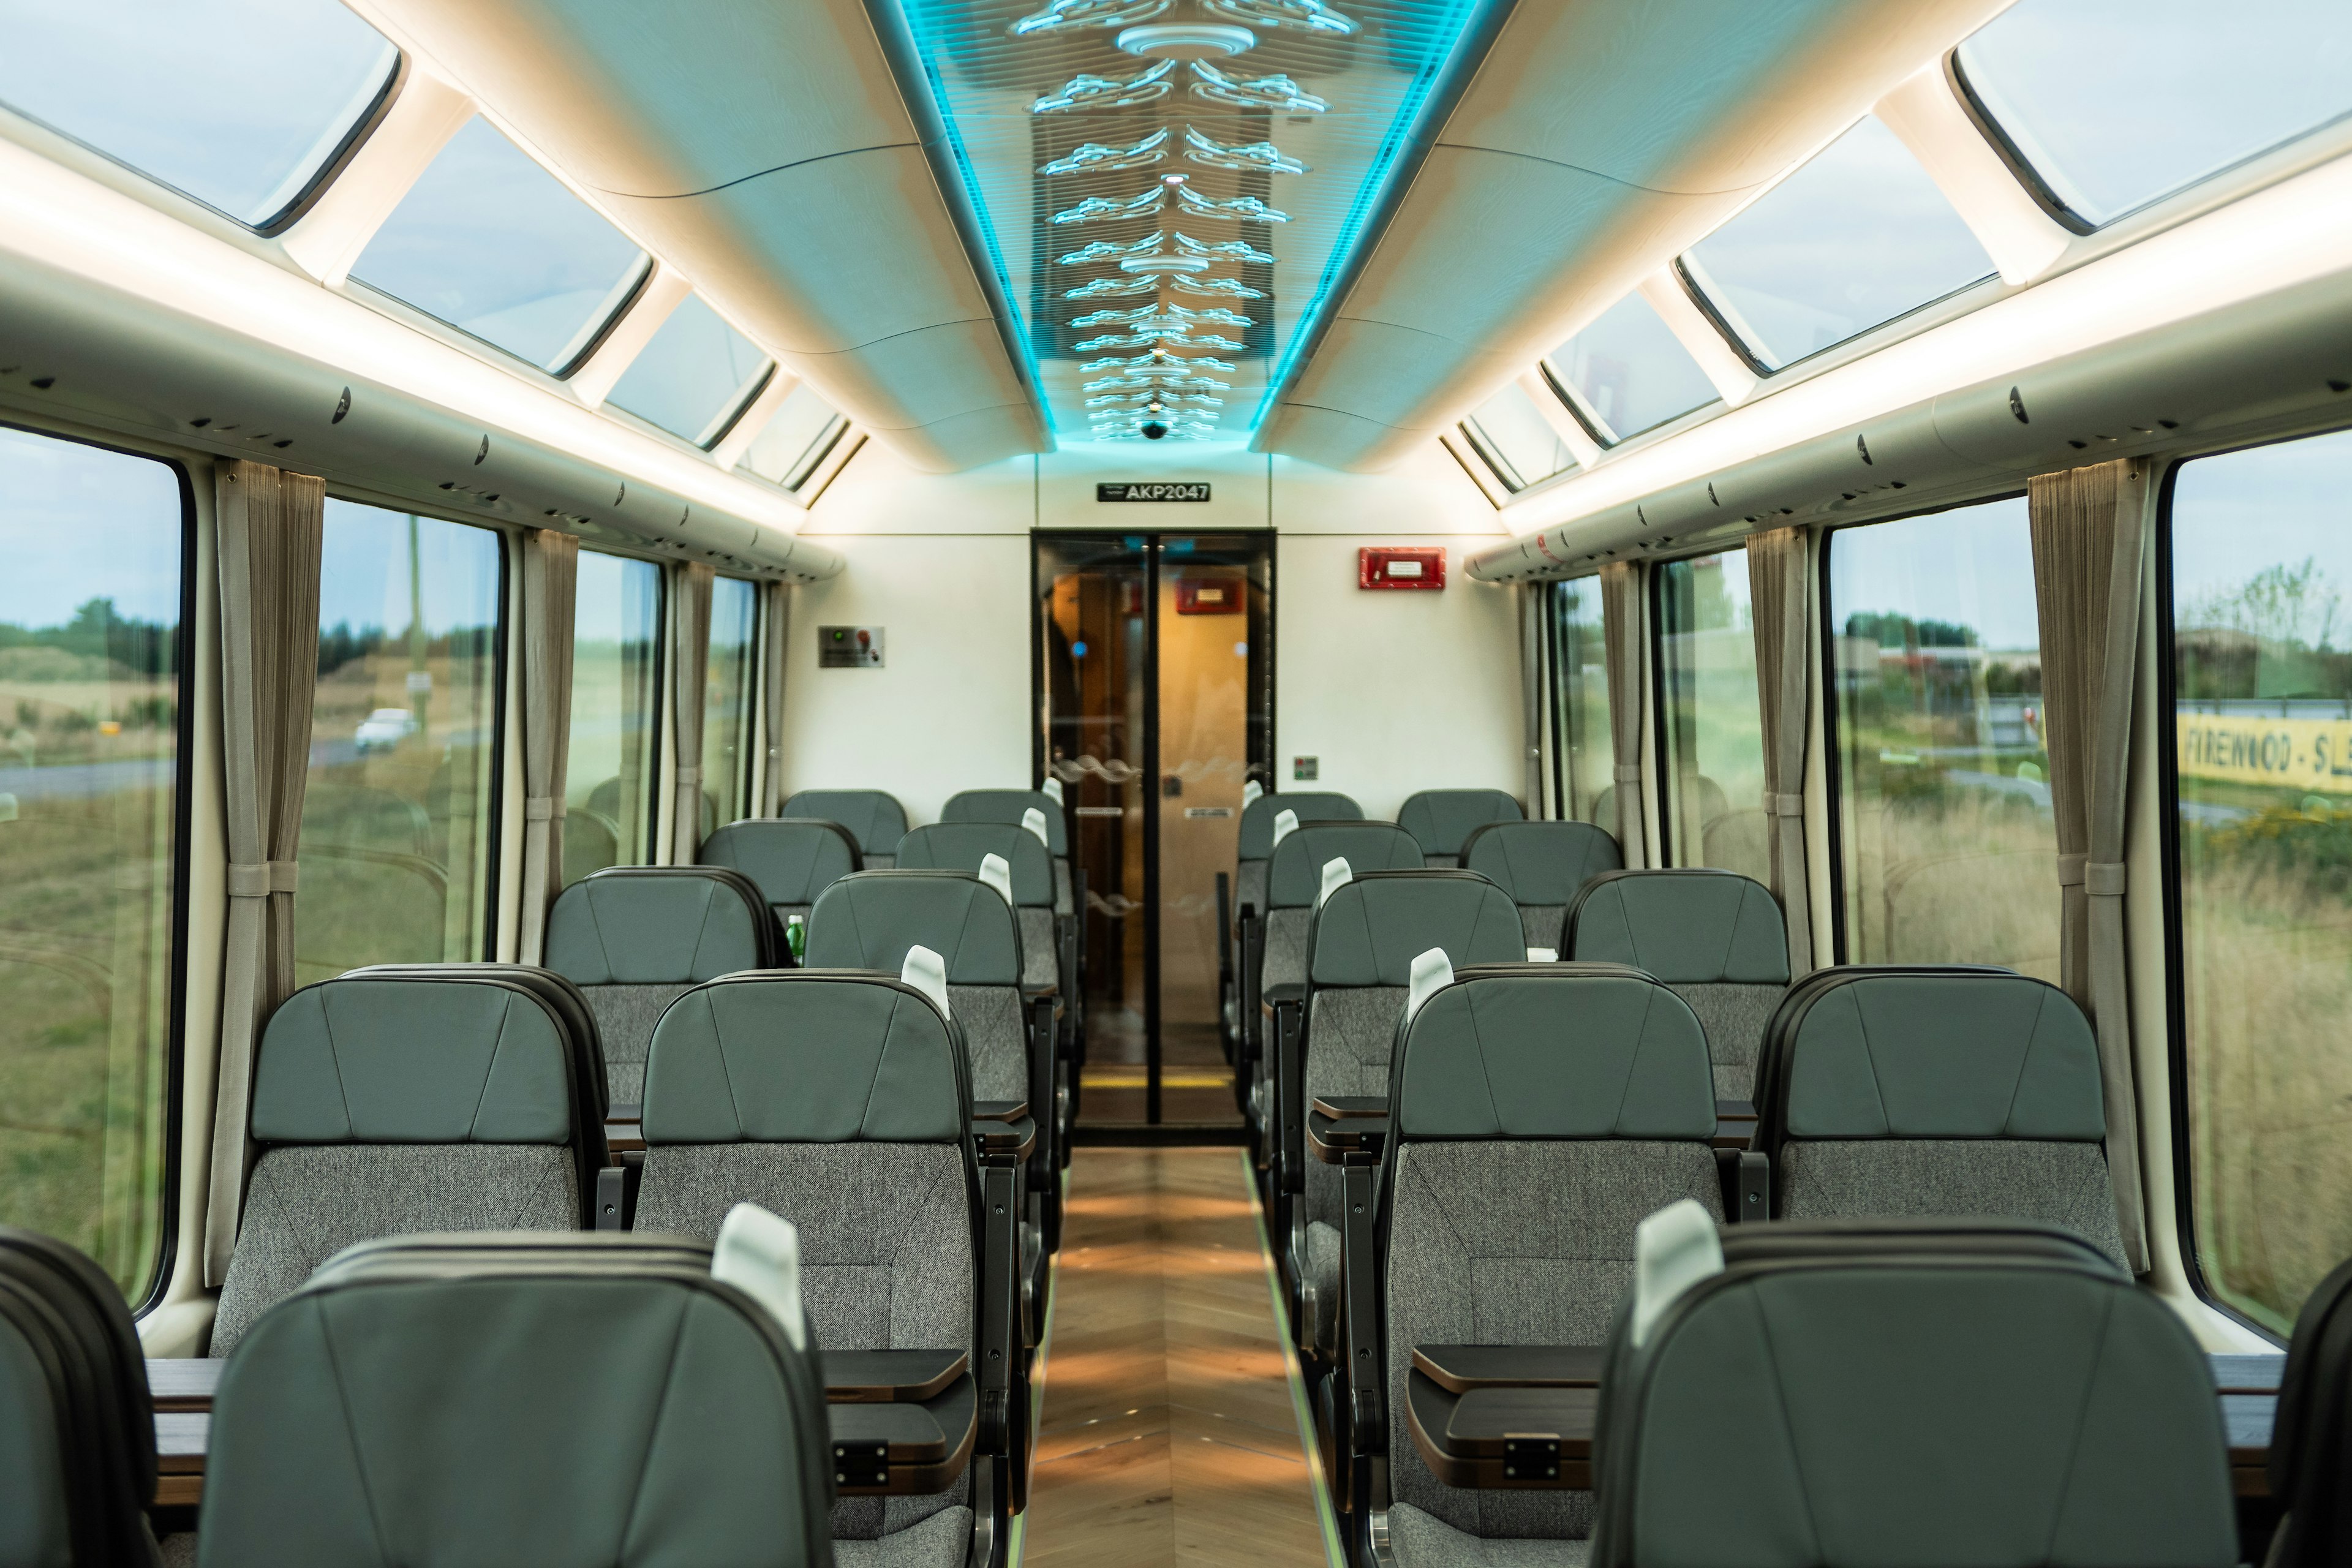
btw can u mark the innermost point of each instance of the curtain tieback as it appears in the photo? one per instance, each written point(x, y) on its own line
point(2103, 878)
point(260, 878)
point(688, 778)
point(538, 808)
point(1629, 773)
point(1784, 805)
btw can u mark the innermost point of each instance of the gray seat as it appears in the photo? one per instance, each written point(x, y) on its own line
point(1542, 865)
point(1936, 1091)
point(875, 819)
point(76, 1428)
point(790, 860)
point(447, 1401)
point(1958, 1396)
point(1363, 943)
point(1539, 1112)
point(840, 1102)
point(1253, 848)
point(385, 1103)
point(1715, 937)
point(636, 938)
point(962, 846)
point(1009, 806)
point(1440, 819)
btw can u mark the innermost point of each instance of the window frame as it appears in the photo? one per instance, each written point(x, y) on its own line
point(631, 297)
point(2021, 168)
point(1507, 473)
point(730, 417)
point(1573, 401)
point(175, 1032)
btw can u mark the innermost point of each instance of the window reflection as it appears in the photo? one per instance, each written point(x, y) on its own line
point(398, 838)
point(1585, 754)
point(156, 85)
point(1712, 727)
point(1945, 831)
point(1630, 373)
point(614, 744)
point(2262, 649)
point(1856, 237)
point(1510, 433)
point(2113, 109)
point(729, 709)
point(90, 711)
point(497, 247)
point(693, 375)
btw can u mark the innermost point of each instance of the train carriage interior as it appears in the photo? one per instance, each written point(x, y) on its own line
point(1371, 783)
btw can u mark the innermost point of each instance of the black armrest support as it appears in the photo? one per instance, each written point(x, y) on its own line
point(1225, 940)
point(1365, 1408)
point(612, 1198)
point(1290, 1091)
point(1755, 1192)
point(1252, 973)
point(1003, 1399)
point(1043, 1056)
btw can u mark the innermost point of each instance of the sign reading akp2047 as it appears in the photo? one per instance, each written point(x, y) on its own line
point(1157, 490)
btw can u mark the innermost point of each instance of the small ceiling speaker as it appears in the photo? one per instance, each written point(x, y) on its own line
point(1187, 40)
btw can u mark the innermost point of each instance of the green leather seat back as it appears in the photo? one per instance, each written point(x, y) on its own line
point(962, 846)
point(790, 860)
point(1440, 819)
point(875, 819)
point(1008, 806)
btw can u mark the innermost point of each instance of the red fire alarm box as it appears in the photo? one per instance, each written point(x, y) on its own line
point(1215, 596)
point(1412, 568)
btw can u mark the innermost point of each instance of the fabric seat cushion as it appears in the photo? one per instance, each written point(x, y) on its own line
point(996, 1037)
point(2063, 1184)
point(942, 1541)
point(1734, 1017)
point(1422, 1539)
point(626, 1016)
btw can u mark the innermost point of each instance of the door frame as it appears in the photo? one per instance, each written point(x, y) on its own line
point(1153, 541)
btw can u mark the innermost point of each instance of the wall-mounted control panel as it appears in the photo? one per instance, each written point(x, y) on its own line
point(1415, 567)
point(849, 648)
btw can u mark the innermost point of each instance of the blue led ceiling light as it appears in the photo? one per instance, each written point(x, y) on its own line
point(1123, 157)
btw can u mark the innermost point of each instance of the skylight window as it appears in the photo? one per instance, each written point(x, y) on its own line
point(1628, 372)
point(2109, 110)
point(799, 436)
point(695, 375)
point(497, 247)
point(1510, 433)
point(167, 88)
point(1858, 235)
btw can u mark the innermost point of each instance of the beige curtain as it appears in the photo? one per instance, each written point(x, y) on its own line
point(269, 529)
point(1778, 581)
point(690, 677)
point(551, 579)
point(1531, 689)
point(778, 623)
point(2091, 529)
point(1621, 636)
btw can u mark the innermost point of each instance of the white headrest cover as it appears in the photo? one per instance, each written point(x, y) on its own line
point(1673, 1249)
point(1285, 822)
point(926, 971)
point(1337, 874)
point(1543, 955)
point(1052, 787)
point(1250, 792)
point(997, 874)
point(760, 1254)
point(1431, 974)
point(1034, 821)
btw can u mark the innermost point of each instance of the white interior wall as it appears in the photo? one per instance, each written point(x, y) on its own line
point(1391, 691)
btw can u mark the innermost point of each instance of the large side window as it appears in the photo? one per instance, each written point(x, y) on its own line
point(1945, 834)
point(615, 737)
point(91, 660)
point(729, 704)
point(1583, 756)
point(1710, 728)
point(2261, 547)
point(176, 91)
point(800, 436)
point(1627, 372)
point(694, 376)
point(398, 825)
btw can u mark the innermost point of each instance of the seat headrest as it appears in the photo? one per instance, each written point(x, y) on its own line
point(1432, 971)
point(1285, 822)
point(1337, 874)
point(2011, 1408)
point(1009, 805)
point(805, 1057)
point(1052, 790)
point(1554, 1050)
point(1258, 812)
point(926, 971)
point(1673, 1249)
point(1033, 821)
point(385, 1060)
point(873, 818)
point(659, 925)
point(1930, 1053)
point(962, 846)
point(491, 1378)
point(1440, 819)
point(1294, 873)
point(1541, 862)
point(1687, 928)
point(1251, 791)
point(790, 860)
point(1371, 929)
point(871, 920)
point(760, 1254)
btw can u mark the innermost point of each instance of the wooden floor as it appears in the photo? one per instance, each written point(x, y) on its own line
point(1169, 1432)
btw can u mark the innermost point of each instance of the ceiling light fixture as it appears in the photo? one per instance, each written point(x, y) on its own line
point(1187, 41)
point(1241, 209)
point(1297, 16)
point(1086, 92)
point(1250, 158)
point(1069, 16)
point(1094, 157)
point(1277, 93)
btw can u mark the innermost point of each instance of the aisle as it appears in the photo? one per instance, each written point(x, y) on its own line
point(1170, 1433)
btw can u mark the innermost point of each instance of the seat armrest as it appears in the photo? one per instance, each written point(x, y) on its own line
point(1361, 1363)
point(1755, 1190)
point(1253, 974)
point(1290, 1089)
point(1012, 1135)
point(999, 1300)
point(999, 1109)
point(612, 1198)
point(1332, 1139)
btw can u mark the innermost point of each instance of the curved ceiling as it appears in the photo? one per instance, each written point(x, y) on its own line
point(1597, 140)
point(762, 147)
